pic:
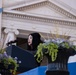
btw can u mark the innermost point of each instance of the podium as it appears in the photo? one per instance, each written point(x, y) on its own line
point(27, 59)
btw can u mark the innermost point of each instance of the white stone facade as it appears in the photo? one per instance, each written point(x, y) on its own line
point(44, 16)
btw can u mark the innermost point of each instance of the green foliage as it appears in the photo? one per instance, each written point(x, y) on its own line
point(2, 51)
point(65, 45)
point(51, 49)
point(8, 60)
point(39, 53)
point(74, 47)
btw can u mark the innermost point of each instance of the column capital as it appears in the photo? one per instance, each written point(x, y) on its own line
point(9, 30)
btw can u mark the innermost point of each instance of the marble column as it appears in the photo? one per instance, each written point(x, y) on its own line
point(11, 35)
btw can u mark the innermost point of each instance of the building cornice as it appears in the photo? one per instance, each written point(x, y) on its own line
point(64, 6)
point(24, 3)
point(56, 5)
point(41, 18)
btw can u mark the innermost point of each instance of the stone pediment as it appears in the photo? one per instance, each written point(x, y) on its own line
point(39, 16)
point(45, 11)
point(45, 8)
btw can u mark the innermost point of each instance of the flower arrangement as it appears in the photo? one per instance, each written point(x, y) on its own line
point(51, 47)
point(7, 62)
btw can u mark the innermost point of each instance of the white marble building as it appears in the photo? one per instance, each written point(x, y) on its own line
point(18, 18)
point(21, 17)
